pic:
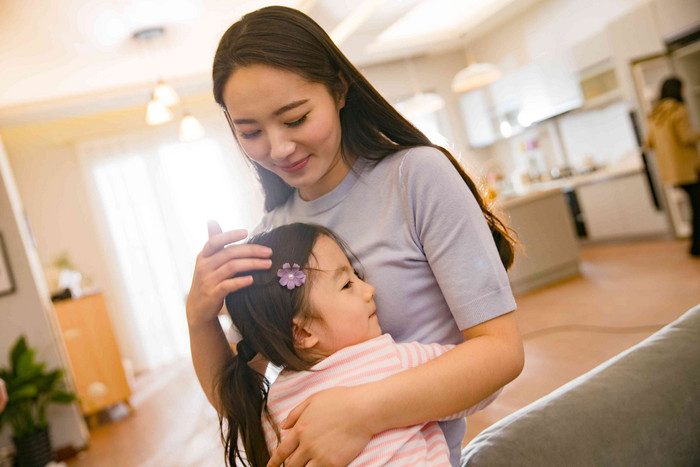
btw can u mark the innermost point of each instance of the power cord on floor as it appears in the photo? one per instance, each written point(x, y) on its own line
point(592, 328)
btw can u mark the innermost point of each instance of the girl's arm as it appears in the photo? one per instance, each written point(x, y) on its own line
point(491, 357)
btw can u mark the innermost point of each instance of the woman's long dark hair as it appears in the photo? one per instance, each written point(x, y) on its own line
point(371, 128)
point(671, 89)
point(263, 315)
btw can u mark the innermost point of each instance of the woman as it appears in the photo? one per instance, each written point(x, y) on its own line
point(675, 143)
point(330, 150)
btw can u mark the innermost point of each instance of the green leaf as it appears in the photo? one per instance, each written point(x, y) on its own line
point(25, 364)
point(63, 397)
point(18, 350)
point(47, 382)
point(27, 391)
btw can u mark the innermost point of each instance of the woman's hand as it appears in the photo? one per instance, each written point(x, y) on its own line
point(329, 428)
point(215, 266)
point(3, 395)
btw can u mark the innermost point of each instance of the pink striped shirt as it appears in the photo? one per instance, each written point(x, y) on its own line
point(419, 445)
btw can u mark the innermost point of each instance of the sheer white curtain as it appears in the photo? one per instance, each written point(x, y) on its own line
point(153, 197)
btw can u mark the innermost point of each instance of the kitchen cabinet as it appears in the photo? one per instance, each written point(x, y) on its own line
point(477, 118)
point(518, 100)
point(94, 356)
point(619, 207)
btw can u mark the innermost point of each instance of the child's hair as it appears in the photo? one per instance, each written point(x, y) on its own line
point(263, 314)
point(288, 39)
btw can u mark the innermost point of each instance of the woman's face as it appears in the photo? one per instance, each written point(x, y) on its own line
point(289, 126)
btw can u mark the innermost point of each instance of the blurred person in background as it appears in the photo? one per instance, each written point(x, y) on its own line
point(674, 142)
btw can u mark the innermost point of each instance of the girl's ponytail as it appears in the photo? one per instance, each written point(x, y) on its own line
point(242, 393)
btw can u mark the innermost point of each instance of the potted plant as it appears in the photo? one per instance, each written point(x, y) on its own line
point(30, 389)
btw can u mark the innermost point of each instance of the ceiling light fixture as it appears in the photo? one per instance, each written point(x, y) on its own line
point(164, 96)
point(157, 112)
point(190, 129)
point(475, 75)
point(420, 103)
point(353, 21)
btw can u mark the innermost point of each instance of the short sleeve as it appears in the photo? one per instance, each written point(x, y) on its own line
point(456, 240)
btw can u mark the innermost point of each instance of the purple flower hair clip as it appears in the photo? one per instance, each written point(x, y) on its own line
point(291, 276)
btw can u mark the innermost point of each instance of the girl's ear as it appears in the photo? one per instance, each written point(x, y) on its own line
point(304, 337)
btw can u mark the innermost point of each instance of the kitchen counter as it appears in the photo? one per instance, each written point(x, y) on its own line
point(536, 190)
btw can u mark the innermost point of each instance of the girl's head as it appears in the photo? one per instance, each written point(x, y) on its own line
point(671, 89)
point(329, 309)
point(332, 309)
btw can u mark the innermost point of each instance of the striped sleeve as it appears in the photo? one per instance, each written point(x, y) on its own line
point(412, 354)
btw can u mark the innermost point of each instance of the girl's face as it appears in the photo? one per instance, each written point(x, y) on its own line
point(344, 303)
point(289, 126)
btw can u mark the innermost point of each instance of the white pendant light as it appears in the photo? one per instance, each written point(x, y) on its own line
point(190, 129)
point(166, 94)
point(157, 112)
point(421, 104)
point(474, 76)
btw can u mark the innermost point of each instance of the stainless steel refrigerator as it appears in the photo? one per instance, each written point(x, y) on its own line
point(682, 59)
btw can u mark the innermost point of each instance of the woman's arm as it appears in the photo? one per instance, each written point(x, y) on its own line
point(210, 354)
point(491, 357)
point(683, 129)
point(494, 345)
point(211, 282)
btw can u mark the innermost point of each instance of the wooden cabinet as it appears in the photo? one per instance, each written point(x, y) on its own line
point(92, 349)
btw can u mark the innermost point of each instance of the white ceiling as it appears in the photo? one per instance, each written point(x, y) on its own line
point(81, 50)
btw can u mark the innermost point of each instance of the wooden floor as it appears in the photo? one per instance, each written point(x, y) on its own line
point(625, 293)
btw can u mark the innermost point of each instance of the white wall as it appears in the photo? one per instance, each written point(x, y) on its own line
point(549, 30)
point(432, 74)
point(28, 311)
point(52, 185)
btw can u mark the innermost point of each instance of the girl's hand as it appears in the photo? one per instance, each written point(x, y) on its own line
point(329, 428)
point(215, 266)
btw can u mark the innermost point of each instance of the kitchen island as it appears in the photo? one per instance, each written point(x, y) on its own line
point(548, 250)
point(612, 203)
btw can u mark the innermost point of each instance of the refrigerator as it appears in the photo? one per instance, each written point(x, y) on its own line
point(681, 59)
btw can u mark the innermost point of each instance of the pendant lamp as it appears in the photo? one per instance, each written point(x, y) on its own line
point(420, 103)
point(157, 112)
point(475, 75)
point(190, 129)
point(166, 94)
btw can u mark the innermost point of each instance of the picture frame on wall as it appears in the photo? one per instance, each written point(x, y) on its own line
point(7, 282)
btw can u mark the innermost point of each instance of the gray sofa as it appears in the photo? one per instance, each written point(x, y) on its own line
point(641, 408)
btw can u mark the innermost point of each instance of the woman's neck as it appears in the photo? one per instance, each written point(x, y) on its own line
point(331, 179)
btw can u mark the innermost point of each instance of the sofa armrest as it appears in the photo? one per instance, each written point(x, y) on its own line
point(641, 407)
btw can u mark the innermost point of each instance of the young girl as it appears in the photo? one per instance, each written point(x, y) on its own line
point(316, 319)
point(330, 150)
